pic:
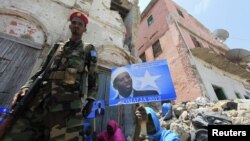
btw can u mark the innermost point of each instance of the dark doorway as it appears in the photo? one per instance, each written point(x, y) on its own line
point(219, 93)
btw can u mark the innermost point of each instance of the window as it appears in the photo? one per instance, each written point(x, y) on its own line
point(150, 20)
point(143, 57)
point(180, 12)
point(246, 97)
point(248, 93)
point(238, 95)
point(196, 43)
point(157, 48)
point(219, 93)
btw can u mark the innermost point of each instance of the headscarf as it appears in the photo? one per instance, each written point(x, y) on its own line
point(167, 111)
point(161, 134)
point(86, 125)
point(103, 136)
point(117, 136)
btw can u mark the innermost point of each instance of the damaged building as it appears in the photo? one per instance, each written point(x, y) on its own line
point(28, 29)
point(200, 63)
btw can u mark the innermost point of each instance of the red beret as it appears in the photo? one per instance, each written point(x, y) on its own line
point(79, 15)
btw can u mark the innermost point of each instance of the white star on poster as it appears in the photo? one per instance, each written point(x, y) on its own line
point(148, 80)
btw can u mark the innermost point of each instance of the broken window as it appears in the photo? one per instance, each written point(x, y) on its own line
point(247, 96)
point(196, 43)
point(219, 93)
point(157, 48)
point(123, 9)
point(150, 20)
point(237, 95)
point(248, 93)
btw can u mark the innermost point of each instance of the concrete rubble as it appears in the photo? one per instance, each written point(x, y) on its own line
point(190, 119)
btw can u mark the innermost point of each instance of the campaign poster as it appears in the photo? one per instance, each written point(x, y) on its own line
point(98, 109)
point(138, 83)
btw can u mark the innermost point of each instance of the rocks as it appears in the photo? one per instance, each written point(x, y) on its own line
point(201, 101)
point(181, 129)
point(244, 106)
point(191, 105)
point(178, 109)
point(190, 117)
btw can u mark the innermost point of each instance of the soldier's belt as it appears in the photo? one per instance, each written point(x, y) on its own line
point(60, 75)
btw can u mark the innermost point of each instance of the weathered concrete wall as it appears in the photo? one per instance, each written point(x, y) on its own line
point(132, 22)
point(107, 26)
point(104, 29)
point(20, 27)
point(52, 20)
point(213, 76)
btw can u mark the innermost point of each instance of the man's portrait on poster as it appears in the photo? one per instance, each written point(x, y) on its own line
point(142, 82)
point(122, 82)
point(99, 110)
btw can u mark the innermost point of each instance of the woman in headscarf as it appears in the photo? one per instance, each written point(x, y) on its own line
point(154, 130)
point(113, 133)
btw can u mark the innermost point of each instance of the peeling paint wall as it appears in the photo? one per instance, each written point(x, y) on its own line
point(213, 76)
point(46, 22)
point(22, 28)
point(132, 22)
point(106, 26)
point(50, 17)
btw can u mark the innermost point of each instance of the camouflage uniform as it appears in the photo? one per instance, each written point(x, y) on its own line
point(55, 112)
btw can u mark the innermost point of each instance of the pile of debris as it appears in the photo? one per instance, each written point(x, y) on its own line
point(190, 119)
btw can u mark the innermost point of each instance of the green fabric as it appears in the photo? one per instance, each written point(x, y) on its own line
point(57, 105)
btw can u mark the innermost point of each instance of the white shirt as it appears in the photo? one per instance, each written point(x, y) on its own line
point(130, 96)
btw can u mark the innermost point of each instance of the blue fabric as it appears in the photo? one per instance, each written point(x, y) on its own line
point(167, 111)
point(85, 126)
point(89, 138)
point(161, 134)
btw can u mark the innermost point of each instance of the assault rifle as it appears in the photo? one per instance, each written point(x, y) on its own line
point(21, 106)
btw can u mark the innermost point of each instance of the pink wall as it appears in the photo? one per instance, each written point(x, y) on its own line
point(147, 35)
point(186, 82)
point(198, 30)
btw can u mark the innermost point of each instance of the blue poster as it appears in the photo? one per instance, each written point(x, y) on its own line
point(138, 83)
point(98, 109)
point(3, 114)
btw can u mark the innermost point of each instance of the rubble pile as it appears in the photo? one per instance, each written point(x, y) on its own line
point(190, 119)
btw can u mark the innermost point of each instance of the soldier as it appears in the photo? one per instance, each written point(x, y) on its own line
point(56, 113)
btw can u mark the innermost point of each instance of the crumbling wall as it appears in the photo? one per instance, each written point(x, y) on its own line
point(106, 27)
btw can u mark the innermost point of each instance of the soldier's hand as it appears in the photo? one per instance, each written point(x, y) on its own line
point(87, 108)
point(141, 114)
point(18, 96)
